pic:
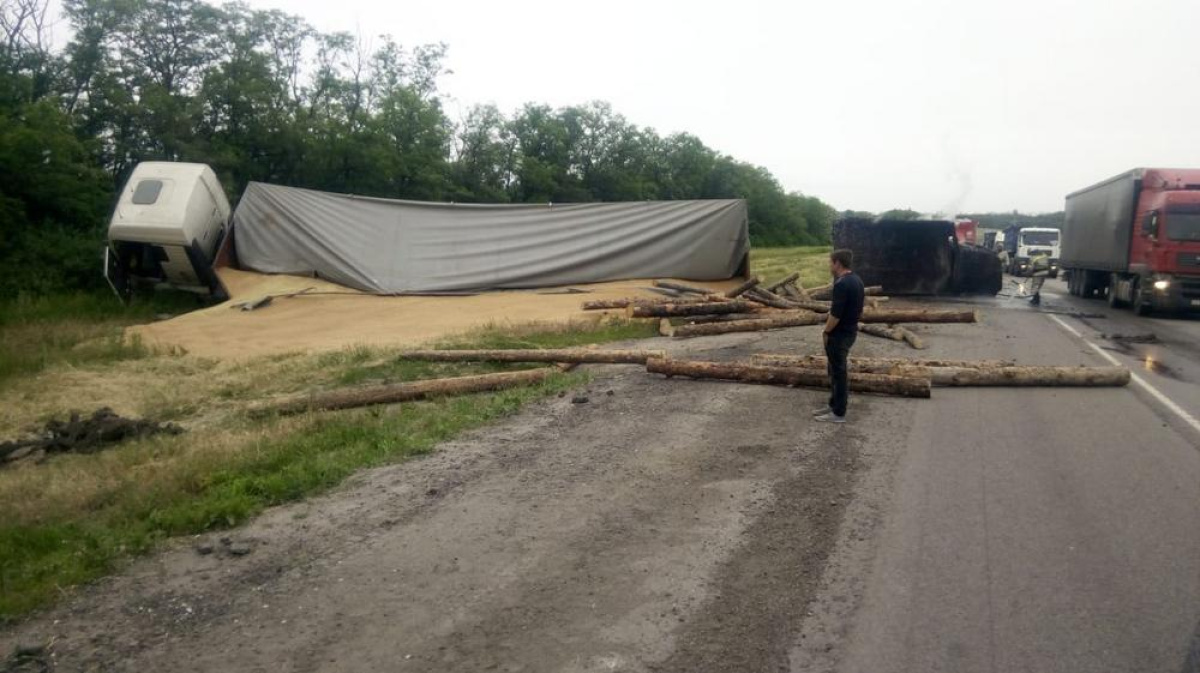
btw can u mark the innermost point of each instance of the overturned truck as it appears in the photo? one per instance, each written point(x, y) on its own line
point(917, 257)
point(173, 225)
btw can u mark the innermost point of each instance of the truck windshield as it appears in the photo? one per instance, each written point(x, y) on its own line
point(1183, 226)
point(1039, 238)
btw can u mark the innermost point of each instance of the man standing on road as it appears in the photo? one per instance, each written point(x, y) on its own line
point(841, 329)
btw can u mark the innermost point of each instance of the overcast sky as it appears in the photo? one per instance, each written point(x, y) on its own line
point(939, 106)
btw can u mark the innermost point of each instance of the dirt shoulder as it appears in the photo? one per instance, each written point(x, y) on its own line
point(661, 525)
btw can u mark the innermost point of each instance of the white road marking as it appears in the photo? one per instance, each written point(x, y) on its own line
point(1154, 392)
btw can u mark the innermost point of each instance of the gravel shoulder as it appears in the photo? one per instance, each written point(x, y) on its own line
point(664, 525)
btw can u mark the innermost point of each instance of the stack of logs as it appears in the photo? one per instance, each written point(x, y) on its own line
point(887, 376)
point(752, 306)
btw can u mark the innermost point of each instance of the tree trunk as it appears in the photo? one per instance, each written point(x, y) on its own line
point(604, 304)
point(636, 357)
point(665, 328)
point(776, 321)
point(680, 309)
point(404, 392)
point(894, 315)
point(962, 373)
point(786, 360)
point(911, 338)
point(724, 317)
point(669, 285)
point(789, 376)
point(882, 331)
point(826, 291)
point(753, 281)
point(776, 286)
point(1024, 376)
point(768, 298)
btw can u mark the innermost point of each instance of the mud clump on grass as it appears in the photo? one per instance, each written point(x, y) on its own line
point(103, 429)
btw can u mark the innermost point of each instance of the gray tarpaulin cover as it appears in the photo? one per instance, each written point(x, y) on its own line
point(386, 246)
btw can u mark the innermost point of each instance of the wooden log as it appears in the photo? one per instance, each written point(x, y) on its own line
point(700, 308)
point(910, 338)
point(924, 315)
point(670, 285)
point(626, 302)
point(614, 356)
point(789, 376)
point(768, 298)
point(882, 331)
point(798, 291)
point(665, 328)
point(778, 285)
point(777, 321)
point(826, 291)
point(1024, 376)
point(752, 282)
point(812, 305)
point(723, 317)
point(785, 360)
point(404, 392)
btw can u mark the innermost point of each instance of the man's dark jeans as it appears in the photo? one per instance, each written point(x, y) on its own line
point(837, 351)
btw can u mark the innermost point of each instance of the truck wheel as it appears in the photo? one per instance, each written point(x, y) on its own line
point(1113, 300)
point(1140, 305)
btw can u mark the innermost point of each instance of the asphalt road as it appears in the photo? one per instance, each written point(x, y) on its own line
point(1044, 530)
point(673, 525)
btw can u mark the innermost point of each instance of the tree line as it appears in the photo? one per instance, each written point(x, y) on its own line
point(261, 95)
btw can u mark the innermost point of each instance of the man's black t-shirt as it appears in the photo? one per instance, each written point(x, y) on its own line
point(848, 292)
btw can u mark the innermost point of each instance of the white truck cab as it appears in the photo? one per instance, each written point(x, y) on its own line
point(1031, 242)
point(167, 226)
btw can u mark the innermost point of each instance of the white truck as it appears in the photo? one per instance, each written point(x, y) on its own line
point(167, 227)
point(1023, 244)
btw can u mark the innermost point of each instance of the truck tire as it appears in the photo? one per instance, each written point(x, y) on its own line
point(1113, 300)
point(1140, 305)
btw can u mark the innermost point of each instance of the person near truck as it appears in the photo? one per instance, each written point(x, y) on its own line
point(841, 330)
point(1003, 255)
point(1039, 268)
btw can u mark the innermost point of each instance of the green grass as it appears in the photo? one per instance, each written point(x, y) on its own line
point(774, 263)
point(75, 329)
point(77, 517)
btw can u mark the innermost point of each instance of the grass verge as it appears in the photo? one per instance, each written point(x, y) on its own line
point(773, 264)
point(77, 517)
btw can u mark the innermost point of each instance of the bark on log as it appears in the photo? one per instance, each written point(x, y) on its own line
point(614, 356)
point(1031, 376)
point(882, 331)
point(404, 392)
point(724, 317)
point(777, 321)
point(789, 376)
point(894, 315)
point(753, 281)
point(768, 298)
point(778, 285)
point(787, 360)
point(604, 304)
point(812, 305)
point(826, 291)
point(798, 291)
point(700, 308)
point(681, 287)
point(911, 338)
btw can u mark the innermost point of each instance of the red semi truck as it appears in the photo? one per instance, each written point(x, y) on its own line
point(1135, 238)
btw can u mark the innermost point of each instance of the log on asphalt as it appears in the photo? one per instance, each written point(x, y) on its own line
point(785, 359)
point(778, 321)
point(903, 386)
point(752, 282)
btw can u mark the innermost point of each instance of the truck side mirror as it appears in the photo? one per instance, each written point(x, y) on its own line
point(1150, 224)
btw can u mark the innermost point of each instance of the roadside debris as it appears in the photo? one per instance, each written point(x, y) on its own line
point(27, 657)
point(102, 429)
